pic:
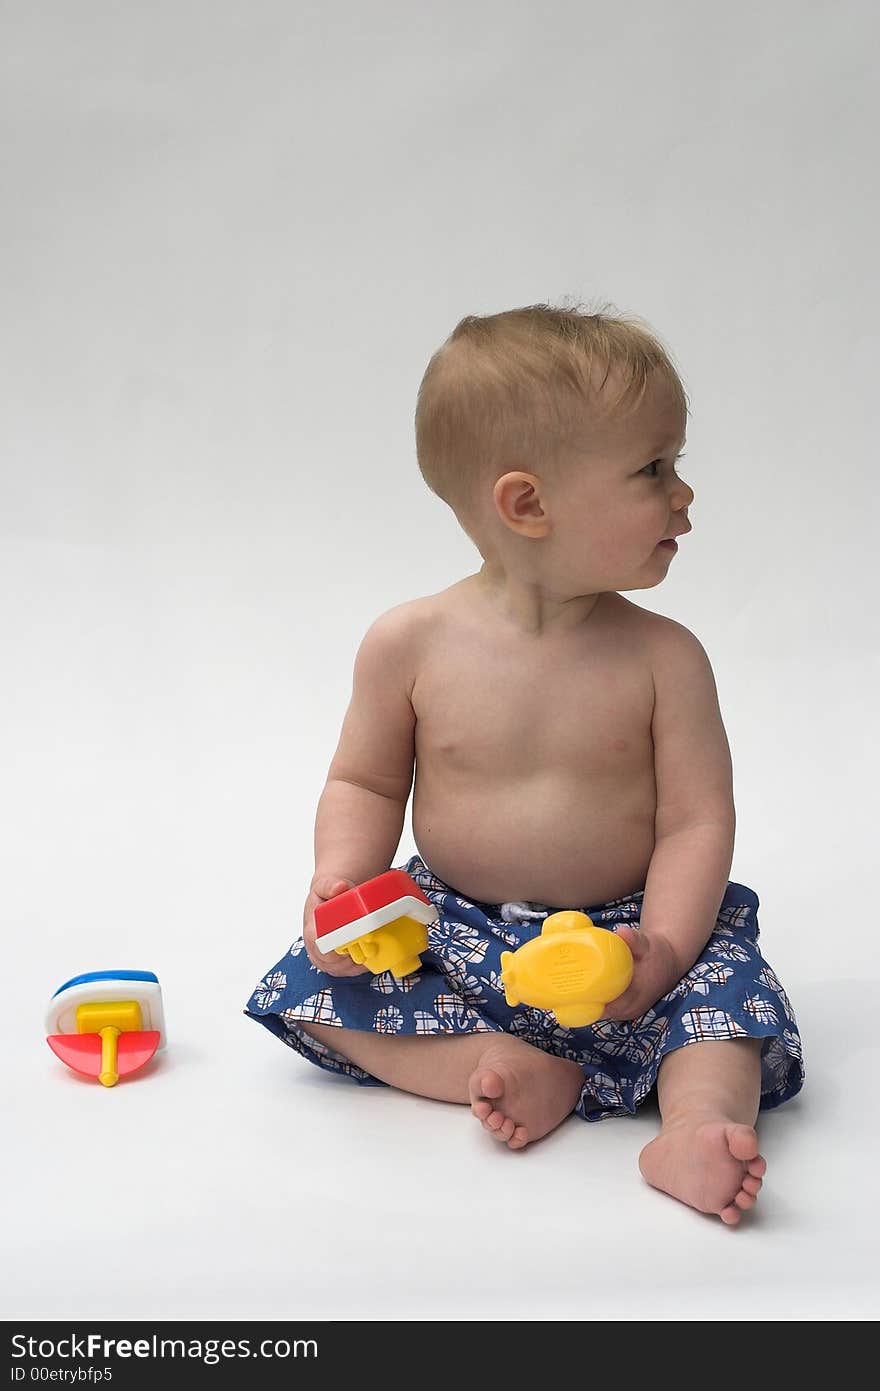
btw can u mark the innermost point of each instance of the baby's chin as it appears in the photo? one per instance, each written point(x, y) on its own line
point(647, 575)
point(651, 573)
point(641, 581)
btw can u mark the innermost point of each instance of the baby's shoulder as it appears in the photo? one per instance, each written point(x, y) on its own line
point(399, 637)
point(656, 635)
point(416, 619)
point(409, 621)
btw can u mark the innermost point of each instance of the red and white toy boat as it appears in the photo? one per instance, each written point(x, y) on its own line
point(381, 924)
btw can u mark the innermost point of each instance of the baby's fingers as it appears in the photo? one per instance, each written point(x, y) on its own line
point(621, 1008)
point(333, 963)
point(634, 939)
point(344, 966)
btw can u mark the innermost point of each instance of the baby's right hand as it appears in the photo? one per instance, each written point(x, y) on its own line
point(331, 962)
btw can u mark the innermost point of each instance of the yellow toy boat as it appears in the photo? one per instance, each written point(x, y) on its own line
point(574, 968)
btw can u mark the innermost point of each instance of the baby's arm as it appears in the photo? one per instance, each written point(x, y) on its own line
point(361, 810)
point(695, 822)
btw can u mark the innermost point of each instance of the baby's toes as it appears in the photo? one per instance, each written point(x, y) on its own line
point(752, 1185)
point(481, 1109)
point(505, 1131)
point(490, 1084)
point(730, 1215)
point(494, 1120)
point(745, 1200)
point(757, 1167)
point(519, 1139)
point(742, 1142)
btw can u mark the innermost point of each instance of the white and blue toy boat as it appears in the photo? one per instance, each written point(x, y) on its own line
point(106, 1024)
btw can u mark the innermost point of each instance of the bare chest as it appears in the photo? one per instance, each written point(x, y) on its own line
point(535, 760)
point(508, 711)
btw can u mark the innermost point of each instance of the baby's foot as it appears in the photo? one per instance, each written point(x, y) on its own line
point(520, 1093)
point(712, 1165)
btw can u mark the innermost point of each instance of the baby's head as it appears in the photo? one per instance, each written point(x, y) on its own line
point(558, 426)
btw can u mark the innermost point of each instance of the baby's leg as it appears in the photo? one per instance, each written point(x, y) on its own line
point(518, 1092)
point(707, 1151)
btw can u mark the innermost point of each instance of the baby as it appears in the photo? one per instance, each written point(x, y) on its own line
point(569, 753)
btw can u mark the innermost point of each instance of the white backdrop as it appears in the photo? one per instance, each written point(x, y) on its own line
point(232, 237)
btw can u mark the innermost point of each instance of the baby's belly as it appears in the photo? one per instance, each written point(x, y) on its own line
point(545, 839)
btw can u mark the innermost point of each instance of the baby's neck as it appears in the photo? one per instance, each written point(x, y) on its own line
point(529, 606)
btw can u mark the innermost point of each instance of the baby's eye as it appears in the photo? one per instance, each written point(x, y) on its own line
point(657, 463)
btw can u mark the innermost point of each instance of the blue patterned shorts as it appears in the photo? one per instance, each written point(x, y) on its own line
point(730, 992)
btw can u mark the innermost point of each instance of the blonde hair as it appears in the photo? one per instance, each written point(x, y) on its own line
point(516, 390)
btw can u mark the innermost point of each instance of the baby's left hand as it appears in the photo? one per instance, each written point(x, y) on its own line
point(655, 972)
